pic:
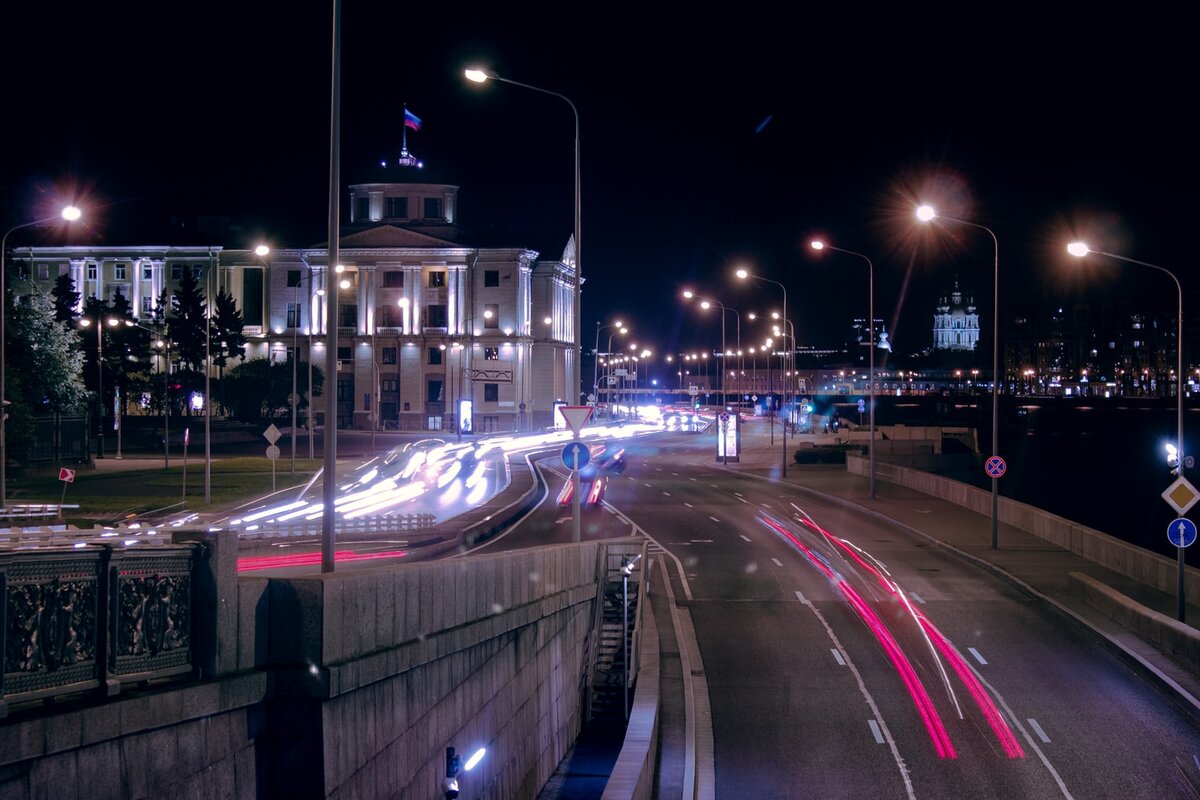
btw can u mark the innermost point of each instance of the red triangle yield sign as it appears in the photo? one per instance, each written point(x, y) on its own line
point(576, 416)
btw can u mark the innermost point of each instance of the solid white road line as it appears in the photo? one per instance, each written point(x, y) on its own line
point(801, 598)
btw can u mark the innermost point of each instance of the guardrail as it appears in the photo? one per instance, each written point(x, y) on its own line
point(94, 618)
point(362, 525)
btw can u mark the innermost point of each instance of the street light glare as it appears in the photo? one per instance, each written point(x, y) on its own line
point(478, 75)
point(743, 274)
point(705, 304)
point(261, 250)
point(689, 294)
point(71, 213)
point(817, 244)
point(1078, 249)
point(475, 758)
point(925, 213)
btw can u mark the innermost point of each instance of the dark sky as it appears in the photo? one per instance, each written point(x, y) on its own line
point(708, 141)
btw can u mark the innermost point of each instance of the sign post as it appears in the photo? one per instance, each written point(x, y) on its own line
point(272, 434)
point(67, 476)
point(1181, 496)
point(576, 417)
point(186, 436)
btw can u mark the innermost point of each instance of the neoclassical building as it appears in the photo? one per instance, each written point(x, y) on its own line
point(427, 325)
point(956, 323)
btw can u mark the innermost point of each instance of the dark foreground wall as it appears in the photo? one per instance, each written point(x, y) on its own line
point(344, 685)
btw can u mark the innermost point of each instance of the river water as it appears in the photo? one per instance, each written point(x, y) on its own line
point(1098, 462)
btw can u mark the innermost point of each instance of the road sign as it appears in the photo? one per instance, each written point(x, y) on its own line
point(862, 406)
point(723, 417)
point(1182, 532)
point(272, 434)
point(67, 475)
point(995, 466)
point(576, 455)
point(693, 390)
point(754, 397)
point(1181, 495)
point(272, 453)
point(576, 416)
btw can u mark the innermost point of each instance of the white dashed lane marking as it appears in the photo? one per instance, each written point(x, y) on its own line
point(778, 563)
point(714, 519)
point(837, 656)
point(744, 536)
point(978, 657)
point(1033, 723)
point(878, 734)
point(689, 505)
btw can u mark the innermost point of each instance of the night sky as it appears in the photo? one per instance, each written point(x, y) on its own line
point(708, 142)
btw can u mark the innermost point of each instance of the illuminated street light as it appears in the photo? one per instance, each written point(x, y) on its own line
point(1080, 250)
point(744, 274)
point(480, 75)
point(820, 245)
point(70, 214)
point(926, 214)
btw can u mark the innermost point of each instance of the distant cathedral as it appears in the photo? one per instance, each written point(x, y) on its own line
point(956, 324)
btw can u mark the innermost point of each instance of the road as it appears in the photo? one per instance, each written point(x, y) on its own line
point(846, 657)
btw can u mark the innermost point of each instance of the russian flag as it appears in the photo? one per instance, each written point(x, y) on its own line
point(411, 120)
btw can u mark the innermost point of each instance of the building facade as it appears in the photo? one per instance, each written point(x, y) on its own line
point(955, 323)
point(431, 333)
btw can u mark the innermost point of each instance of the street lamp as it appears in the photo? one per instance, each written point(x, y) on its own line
point(596, 355)
point(480, 75)
point(707, 303)
point(820, 245)
point(86, 323)
point(70, 214)
point(165, 344)
point(926, 214)
point(621, 329)
point(1079, 250)
point(744, 274)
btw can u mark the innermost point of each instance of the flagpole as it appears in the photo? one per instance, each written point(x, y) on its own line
point(404, 131)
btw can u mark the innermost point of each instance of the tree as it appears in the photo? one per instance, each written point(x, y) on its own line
point(66, 300)
point(44, 367)
point(127, 356)
point(228, 339)
point(258, 389)
point(185, 324)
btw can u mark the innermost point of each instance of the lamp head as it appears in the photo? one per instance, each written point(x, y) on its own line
point(71, 213)
point(688, 294)
point(1078, 249)
point(817, 244)
point(402, 302)
point(742, 274)
point(705, 304)
point(261, 250)
point(479, 74)
point(925, 213)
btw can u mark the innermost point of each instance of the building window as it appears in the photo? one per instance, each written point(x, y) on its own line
point(433, 208)
point(389, 384)
point(147, 272)
point(93, 271)
point(491, 354)
point(387, 316)
point(293, 315)
point(177, 272)
point(396, 207)
point(43, 272)
point(491, 315)
point(147, 306)
point(435, 355)
point(345, 354)
point(119, 272)
point(437, 279)
point(491, 392)
point(293, 279)
point(362, 209)
point(22, 270)
point(491, 277)
point(348, 316)
point(393, 279)
point(198, 272)
point(435, 315)
point(387, 355)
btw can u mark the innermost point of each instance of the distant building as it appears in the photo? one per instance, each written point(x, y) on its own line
point(956, 322)
point(424, 321)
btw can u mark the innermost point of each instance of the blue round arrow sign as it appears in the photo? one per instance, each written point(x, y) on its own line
point(576, 455)
point(1182, 532)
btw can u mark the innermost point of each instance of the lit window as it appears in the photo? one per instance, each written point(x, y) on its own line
point(491, 354)
point(437, 279)
point(147, 272)
point(119, 272)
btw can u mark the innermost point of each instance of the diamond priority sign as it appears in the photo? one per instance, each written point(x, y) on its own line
point(1181, 495)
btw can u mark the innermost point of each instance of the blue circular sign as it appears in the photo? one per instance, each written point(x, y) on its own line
point(995, 466)
point(1182, 532)
point(576, 455)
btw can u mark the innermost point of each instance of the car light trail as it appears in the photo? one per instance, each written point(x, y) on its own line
point(312, 559)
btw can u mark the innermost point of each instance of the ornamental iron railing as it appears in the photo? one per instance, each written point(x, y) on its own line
point(93, 618)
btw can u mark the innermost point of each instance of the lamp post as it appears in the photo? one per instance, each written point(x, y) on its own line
point(744, 274)
point(621, 329)
point(70, 214)
point(926, 214)
point(596, 354)
point(707, 303)
point(479, 75)
point(85, 322)
point(164, 343)
point(819, 245)
point(1079, 250)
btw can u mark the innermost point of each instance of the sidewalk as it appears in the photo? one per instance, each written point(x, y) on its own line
point(1038, 567)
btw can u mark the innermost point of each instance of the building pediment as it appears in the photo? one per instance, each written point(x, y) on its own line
point(391, 236)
